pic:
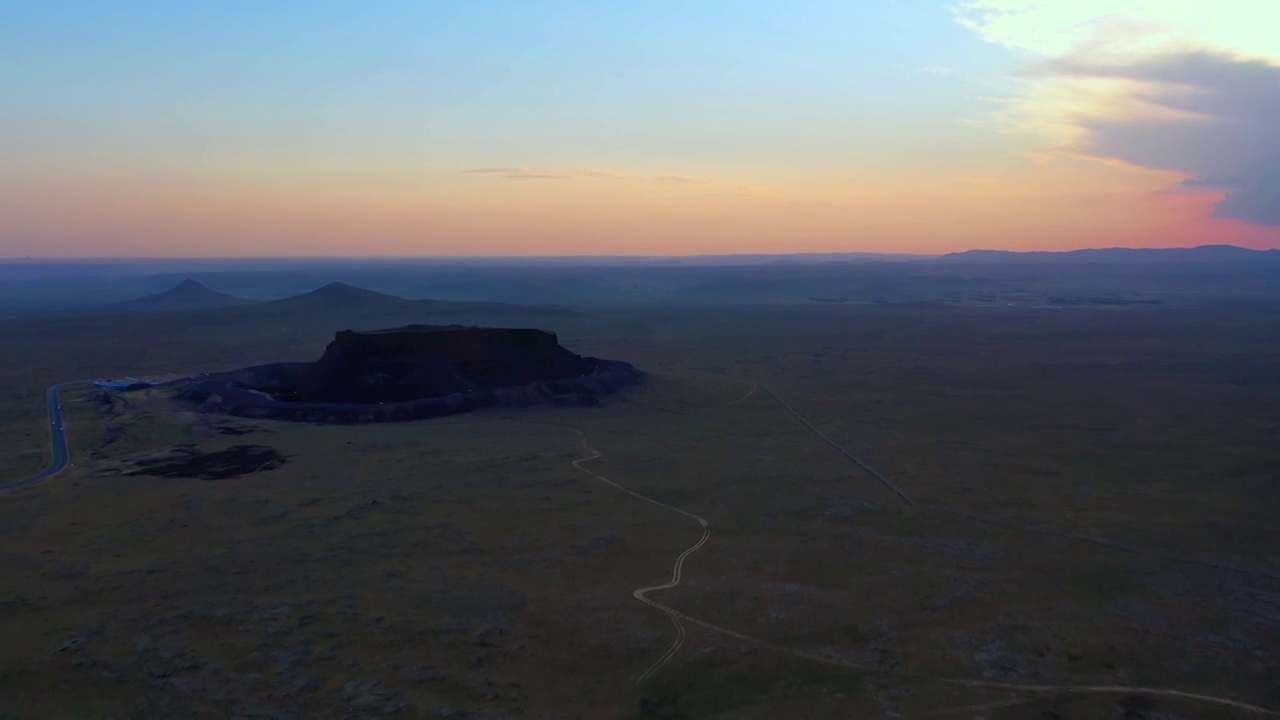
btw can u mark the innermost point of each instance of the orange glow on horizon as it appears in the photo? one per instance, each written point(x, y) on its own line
point(1068, 203)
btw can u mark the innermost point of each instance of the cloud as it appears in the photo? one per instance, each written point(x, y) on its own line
point(603, 174)
point(518, 173)
point(524, 173)
point(1135, 86)
point(937, 70)
point(1124, 27)
point(1215, 119)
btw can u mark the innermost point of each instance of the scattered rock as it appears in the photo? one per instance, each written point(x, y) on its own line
point(421, 673)
point(72, 644)
point(841, 509)
point(278, 613)
point(184, 461)
point(1136, 707)
point(143, 643)
point(599, 542)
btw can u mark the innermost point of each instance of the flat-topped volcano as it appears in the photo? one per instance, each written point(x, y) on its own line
point(421, 361)
point(414, 372)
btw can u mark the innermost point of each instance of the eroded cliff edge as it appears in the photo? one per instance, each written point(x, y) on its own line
point(414, 372)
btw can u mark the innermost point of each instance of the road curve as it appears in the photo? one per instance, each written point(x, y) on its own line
point(58, 436)
point(57, 440)
point(677, 570)
point(61, 458)
point(1027, 691)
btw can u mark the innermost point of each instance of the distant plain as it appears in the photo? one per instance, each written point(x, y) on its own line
point(1094, 490)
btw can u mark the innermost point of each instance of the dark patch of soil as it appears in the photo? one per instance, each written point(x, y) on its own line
point(233, 430)
point(1137, 707)
point(233, 462)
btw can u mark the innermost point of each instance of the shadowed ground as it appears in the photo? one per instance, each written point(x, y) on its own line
point(465, 565)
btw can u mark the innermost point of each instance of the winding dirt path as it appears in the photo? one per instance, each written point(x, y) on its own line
point(1030, 690)
point(677, 570)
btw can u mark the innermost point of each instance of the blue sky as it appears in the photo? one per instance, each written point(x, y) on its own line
point(806, 101)
point(518, 82)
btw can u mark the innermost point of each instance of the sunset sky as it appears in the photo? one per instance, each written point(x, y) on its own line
point(501, 127)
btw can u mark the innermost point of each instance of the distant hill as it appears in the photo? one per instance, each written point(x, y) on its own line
point(1219, 254)
point(337, 295)
point(344, 298)
point(187, 295)
point(489, 309)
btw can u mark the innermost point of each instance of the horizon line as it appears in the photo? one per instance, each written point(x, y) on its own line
point(863, 253)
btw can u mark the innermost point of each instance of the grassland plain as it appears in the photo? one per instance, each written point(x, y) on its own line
point(463, 566)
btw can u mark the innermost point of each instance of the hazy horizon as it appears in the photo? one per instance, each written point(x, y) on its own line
point(852, 254)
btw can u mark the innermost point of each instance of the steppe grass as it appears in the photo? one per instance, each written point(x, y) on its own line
point(464, 564)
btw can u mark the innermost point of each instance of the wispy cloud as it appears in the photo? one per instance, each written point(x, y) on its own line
point(519, 173)
point(606, 174)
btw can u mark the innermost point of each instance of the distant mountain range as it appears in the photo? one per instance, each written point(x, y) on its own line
point(547, 285)
point(331, 298)
point(1202, 254)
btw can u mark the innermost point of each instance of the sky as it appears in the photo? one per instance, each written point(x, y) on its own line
point(557, 127)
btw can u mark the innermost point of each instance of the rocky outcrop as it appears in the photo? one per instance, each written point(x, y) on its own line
point(422, 361)
point(412, 373)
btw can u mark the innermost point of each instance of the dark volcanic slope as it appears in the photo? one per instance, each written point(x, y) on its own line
point(187, 295)
point(422, 361)
point(416, 371)
point(337, 294)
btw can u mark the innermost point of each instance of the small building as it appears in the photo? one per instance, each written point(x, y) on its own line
point(117, 383)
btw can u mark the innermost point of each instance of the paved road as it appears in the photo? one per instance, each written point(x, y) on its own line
point(57, 437)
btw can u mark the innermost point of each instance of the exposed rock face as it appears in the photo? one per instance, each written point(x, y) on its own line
point(415, 372)
point(420, 361)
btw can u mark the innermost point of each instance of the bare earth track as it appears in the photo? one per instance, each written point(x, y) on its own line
point(1026, 691)
point(1100, 541)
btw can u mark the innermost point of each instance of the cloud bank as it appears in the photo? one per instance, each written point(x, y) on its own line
point(1221, 125)
point(1132, 82)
